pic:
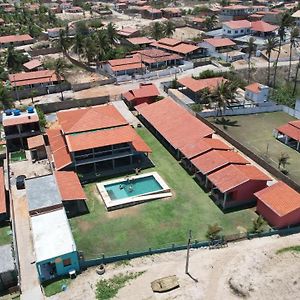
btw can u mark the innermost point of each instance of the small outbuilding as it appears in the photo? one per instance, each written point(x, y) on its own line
point(256, 92)
point(279, 205)
point(36, 145)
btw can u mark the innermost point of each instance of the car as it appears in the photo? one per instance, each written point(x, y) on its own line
point(20, 182)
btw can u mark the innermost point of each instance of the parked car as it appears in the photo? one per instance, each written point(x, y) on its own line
point(20, 182)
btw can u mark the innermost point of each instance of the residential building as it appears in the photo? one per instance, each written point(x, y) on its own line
point(171, 12)
point(18, 126)
point(233, 12)
point(279, 205)
point(263, 29)
point(16, 40)
point(4, 205)
point(272, 17)
point(256, 92)
point(148, 12)
point(289, 134)
point(234, 29)
point(74, 10)
point(141, 42)
point(128, 32)
point(36, 145)
point(197, 22)
point(33, 65)
point(96, 140)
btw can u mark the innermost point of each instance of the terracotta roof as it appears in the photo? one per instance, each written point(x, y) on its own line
point(127, 31)
point(35, 77)
point(151, 56)
point(220, 42)
point(18, 120)
point(140, 40)
point(32, 64)
point(290, 130)
point(280, 198)
point(196, 85)
point(198, 20)
point(153, 10)
point(261, 26)
point(107, 137)
point(135, 66)
point(15, 38)
point(238, 24)
point(174, 123)
point(172, 10)
point(232, 176)
point(234, 7)
point(254, 87)
point(60, 153)
point(69, 186)
point(202, 146)
point(169, 42)
point(145, 90)
point(216, 159)
point(2, 193)
point(91, 118)
point(295, 123)
point(175, 46)
point(35, 141)
point(124, 61)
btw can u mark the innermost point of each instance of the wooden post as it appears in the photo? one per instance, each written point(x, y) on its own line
point(188, 253)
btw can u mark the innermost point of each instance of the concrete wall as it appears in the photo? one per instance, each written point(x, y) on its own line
point(87, 85)
point(43, 51)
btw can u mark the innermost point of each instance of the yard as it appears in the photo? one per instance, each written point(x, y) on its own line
point(5, 236)
point(154, 224)
point(256, 133)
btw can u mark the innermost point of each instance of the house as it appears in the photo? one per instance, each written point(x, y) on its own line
point(234, 29)
point(141, 42)
point(254, 17)
point(296, 17)
point(256, 92)
point(147, 92)
point(18, 126)
point(96, 140)
point(33, 65)
point(128, 32)
point(148, 12)
point(279, 205)
point(197, 22)
point(36, 145)
point(263, 29)
point(289, 134)
point(212, 161)
point(4, 207)
point(192, 87)
point(233, 12)
point(16, 40)
point(178, 47)
point(74, 10)
point(8, 272)
point(171, 12)
point(54, 32)
point(235, 185)
point(272, 17)
point(163, 118)
point(54, 246)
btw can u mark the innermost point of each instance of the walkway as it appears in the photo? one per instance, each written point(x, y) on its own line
point(126, 113)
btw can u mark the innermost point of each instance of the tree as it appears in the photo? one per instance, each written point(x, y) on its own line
point(283, 160)
point(296, 77)
point(257, 225)
point(169, 28)
point(103, 46)
point(42, 118)
point(89, 49)
point(5, 96)
point(59, 68)
point(14, 59)
point(293, 43)
point(33, 93)
point(211, 22)
point(213, 232)
point(78, 44)
point(250, 49)
point(112, 34)
point(271, 44)
point(156, 31)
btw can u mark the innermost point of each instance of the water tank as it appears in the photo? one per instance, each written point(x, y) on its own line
point(30, 109)
point(8, 112)
point(16, 112)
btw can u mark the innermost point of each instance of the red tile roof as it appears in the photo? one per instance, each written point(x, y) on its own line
point(280, 198)
point(261, 26)
point(140, 40)
point(290, 130)
point(202, 146)
point(18, 120)
point(35, 77)
point(196, 85)
point(220, 42)
point(125, 67)
point(69, 186)
point(198, 20)
point(127, 31)
point(32, 64)
point(175, 46)
point(169, 42)
point(35, 141)
point(145, 91)
point(232, 176)
point(2, 193)
point(59, 150)
point(254, 87)
point(108, 137)
point(91, 118)
point(295, 123)
point(15, 38)
point(174, 123)
point(151, 56)
point(238, 24)
point(234, 7)
point(216, 159)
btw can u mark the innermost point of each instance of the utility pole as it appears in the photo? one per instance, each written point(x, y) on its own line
point(188, 253)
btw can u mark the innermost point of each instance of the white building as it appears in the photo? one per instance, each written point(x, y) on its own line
point(257, 92)
point(234, 29)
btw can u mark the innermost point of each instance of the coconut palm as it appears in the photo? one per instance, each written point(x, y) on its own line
point(89, 49)
point(59, 68)
point(211, 22)
point(156, 31)
point(283, 160)
point(78, 44)
point(250, 49)
point(271, 44)
point(293, 43)
point(169, 28)
point(112, 34)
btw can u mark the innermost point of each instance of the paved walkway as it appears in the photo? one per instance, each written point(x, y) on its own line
point(126, 113)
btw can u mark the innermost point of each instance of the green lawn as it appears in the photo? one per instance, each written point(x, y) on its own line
point(56, 287)
point(256, 133)
point(154, 224)
point(5, 237)
point(17, 156)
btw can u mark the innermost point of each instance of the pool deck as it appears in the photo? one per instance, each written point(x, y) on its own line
point(125, 202)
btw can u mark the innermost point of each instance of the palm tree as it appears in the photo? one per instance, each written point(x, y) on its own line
point(293, 43)
point(102, 45)
point(78, 44)
point(89, 49)
point(211, 22)
point(156, 31)
point(296, 77)
point(59, 68)
point(271, 44)
point(5, 97)
point(169, 28)
point(250, 49)
point(283, 160)
point(112, 34)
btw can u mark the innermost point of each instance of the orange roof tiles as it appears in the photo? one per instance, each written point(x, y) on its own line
point(91, 118)
point(220, 42)
point(140, 40)
point(198, 20)
point(144, 91)
point(15, 38)
point(169, 41)
point(32, 64)
point(254, 87)
point(216, 159)
point(261, 26)
point(108, 137)
point(175, 46)
point(232, 176)
point(174, 123)
point(238, 24)
point(19, 120)
point(234, 7)
point(202, 146)
point(151, 56)
point(295, 123)
point(290, 130)
point(280, 198)
point(2, 193)
point(69, 186)
point(196, 85)
point(35, 141)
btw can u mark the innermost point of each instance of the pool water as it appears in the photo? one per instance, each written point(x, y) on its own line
point(132, 187)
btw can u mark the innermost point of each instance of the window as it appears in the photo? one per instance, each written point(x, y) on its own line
point(236, 31)
point(67, 262)
point(229, 31)
point(242, 30)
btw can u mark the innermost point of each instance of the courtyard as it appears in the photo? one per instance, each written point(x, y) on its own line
point(256, 133)
point(155, 224)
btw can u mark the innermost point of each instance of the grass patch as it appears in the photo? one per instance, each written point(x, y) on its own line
point(288, 249)
point(55, 287)
point(158, 223)
point(18, 156)
point(5, 235)
point(108, 288)
point(122, 263)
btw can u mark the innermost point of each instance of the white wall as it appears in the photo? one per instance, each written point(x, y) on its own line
point(227, 31)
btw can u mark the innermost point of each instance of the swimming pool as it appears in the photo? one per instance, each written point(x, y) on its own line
point(122, 192)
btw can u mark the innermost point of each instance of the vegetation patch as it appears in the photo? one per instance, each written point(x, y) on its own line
point(56, 287)
point(288, 249)
point(17, 156)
